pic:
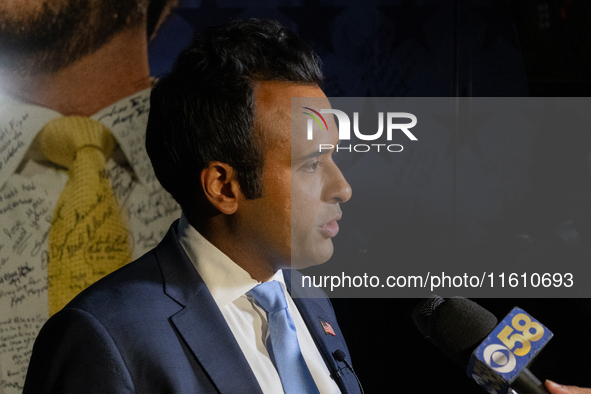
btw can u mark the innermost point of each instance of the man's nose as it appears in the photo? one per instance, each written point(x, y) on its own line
point(337, 189)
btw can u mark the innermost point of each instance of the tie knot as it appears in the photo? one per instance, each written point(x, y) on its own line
point(270, 296)
point(62, 137)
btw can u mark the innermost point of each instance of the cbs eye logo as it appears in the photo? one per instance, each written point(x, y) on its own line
point(499, 358)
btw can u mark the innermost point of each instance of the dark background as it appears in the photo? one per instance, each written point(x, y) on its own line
point(464, 200)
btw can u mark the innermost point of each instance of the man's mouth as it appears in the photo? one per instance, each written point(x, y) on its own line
point(331, 228)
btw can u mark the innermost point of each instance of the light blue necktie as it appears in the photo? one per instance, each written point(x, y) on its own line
point(282, 344)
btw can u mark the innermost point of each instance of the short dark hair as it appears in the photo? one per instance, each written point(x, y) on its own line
point(203, 110)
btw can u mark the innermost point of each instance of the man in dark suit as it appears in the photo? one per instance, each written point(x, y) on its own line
point(197, 313)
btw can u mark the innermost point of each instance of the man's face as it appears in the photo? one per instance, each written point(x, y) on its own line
point(296, 218)
point(48, 35)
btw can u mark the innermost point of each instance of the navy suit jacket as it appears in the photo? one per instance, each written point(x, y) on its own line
point(153, 327)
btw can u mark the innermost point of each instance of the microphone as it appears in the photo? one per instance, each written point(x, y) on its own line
point(340, 355)
point(496, 356)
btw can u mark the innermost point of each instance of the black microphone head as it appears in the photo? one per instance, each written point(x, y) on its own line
point(456, 326)
point(423, 311)
point(339, 355)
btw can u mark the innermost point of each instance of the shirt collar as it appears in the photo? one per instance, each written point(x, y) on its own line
point(225, 279)
point(127, 118)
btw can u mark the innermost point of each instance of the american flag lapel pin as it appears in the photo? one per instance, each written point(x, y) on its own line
point(327, 328)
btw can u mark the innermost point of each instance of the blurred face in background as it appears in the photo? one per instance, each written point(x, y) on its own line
point(48, 35)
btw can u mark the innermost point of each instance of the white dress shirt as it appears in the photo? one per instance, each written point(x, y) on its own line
point(29, 190)
point(228, 284)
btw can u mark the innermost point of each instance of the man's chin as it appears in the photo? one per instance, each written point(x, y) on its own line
point(313, 259)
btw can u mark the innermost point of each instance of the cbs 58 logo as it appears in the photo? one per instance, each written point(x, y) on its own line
point(502, 358)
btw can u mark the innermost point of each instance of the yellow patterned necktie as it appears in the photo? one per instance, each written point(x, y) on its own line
point(88, 238)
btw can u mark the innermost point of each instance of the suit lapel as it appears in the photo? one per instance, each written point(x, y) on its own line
point(201, 324)
point(207, 334)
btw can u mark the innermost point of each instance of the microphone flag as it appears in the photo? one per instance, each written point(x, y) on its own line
point(507, 350)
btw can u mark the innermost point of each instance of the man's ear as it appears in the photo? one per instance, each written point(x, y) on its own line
point(221, 187)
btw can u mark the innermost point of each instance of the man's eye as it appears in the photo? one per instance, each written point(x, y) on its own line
point(312, 167)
